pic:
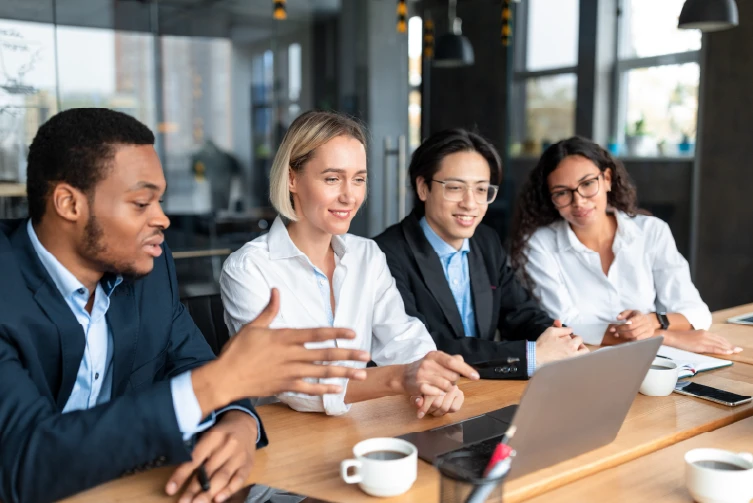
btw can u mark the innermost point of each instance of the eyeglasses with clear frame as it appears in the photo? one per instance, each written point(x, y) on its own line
point(454, 190)
point(587, 188)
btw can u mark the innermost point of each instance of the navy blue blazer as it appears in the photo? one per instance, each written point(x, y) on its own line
point(47, 455)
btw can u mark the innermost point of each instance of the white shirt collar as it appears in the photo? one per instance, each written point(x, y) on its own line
point(627, 231)
point(282, 247)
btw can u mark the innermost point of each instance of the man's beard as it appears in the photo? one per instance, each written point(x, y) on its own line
point(95, 250)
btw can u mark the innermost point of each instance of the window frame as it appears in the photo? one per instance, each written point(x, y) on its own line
point(623, 66)
point(521, 75)
point(589, 96)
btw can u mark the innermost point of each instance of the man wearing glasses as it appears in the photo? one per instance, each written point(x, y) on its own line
point(453, 274)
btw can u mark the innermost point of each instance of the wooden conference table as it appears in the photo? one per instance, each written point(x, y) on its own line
point(306, 449)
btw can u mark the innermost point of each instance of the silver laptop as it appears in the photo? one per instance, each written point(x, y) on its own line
point(569, 407)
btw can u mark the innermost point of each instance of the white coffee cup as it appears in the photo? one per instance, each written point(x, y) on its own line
point(382, 466)
point(661, 378)
point(709, 484)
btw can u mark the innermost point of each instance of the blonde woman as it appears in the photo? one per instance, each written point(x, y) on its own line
point(327, 277)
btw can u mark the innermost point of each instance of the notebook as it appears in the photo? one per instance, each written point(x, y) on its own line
point(691, 363)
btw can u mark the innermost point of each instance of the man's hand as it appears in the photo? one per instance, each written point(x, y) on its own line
point(558, 343)
point(259, 361)
point(637, 326)
point(438, 406)
point(699, 341)
point(227, 451)
point(435, 374)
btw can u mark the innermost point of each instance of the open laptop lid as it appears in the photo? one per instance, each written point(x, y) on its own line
point(576, 405)
point(569, 407)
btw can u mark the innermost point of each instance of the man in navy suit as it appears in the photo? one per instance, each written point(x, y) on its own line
point(452, 272)
point(102, 370)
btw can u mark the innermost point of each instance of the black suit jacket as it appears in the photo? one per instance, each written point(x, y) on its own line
point(499, 300)
point(47, 455)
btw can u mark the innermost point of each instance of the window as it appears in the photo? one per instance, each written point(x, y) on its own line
point(545, 78)
point(415, 60)
point(658, 73)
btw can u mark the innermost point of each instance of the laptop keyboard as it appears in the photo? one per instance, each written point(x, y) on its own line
point(481, 453)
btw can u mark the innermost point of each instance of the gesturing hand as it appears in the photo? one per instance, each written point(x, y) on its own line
point(259, 361)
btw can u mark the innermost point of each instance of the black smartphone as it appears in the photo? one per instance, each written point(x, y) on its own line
point(712, 394)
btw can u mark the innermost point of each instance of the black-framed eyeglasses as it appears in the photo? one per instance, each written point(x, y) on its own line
point(483, 193)
point(562, 197)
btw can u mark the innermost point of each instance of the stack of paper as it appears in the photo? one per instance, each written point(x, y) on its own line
point(691, 363)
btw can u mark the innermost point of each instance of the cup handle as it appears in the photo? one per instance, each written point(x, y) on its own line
point(347, 464)
point(746, 456)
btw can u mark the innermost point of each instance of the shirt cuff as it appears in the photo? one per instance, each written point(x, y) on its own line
point(186, 406)
point(188, 410)
point(699, 319)
point(531, 357)
point(334, 405)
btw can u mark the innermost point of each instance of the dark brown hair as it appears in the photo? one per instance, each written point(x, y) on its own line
point(429, 155)
point(535, 209)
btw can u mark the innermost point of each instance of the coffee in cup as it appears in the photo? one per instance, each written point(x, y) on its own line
point(719, 476)
point(382, 466)
point(661, 378)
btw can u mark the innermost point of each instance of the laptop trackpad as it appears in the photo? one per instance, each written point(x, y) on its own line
point(439, 441)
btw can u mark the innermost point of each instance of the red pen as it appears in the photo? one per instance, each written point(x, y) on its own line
point(502, 451)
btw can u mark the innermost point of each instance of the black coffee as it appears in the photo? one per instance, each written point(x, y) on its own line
point(385, 455)
point(659, 367)
point(718, 465)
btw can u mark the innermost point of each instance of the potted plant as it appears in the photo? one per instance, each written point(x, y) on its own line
point(639, 142)
point(685, 147)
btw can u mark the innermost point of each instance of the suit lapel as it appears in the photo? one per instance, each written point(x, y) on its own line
point(68, 335)
point(71, 336)
point(123, 319)
point(432, 272)
point(482, 291)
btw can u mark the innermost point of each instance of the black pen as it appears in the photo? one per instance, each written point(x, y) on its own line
point(201, 474)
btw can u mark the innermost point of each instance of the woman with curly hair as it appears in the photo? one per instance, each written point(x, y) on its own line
point(596, 262)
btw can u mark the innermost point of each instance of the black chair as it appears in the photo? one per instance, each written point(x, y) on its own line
point(207, 313)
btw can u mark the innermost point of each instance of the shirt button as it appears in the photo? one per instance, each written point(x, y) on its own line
point(454, 282)
point(321, 282)
point(81, 291)
point(96, 376)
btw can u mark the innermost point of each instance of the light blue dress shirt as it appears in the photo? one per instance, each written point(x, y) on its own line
point(93, 384)
point(455, 267)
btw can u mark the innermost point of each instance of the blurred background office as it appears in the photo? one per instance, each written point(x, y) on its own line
point(219, 81)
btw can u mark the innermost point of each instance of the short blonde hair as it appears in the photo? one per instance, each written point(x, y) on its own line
point(308, 132)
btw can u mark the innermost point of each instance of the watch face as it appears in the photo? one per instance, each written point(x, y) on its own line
point(663, 320)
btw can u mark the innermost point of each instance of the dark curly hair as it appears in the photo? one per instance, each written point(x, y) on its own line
point(429, 155)
point(76, 147)
point(535, 209)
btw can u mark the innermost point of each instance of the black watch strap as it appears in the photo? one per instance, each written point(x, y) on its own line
point(663, 320)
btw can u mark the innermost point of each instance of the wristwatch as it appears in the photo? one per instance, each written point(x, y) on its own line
point(663, 320)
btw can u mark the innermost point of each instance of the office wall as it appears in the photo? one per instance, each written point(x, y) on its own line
point(724, 271)
point(471, 97)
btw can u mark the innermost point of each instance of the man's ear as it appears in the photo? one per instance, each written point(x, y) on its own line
point(69, 202)
point(422, 188)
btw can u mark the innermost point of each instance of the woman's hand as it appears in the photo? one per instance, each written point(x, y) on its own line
point(637, 326)
point(700, 341)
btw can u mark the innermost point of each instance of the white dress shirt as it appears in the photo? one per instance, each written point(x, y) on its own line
point(366, 301)
point(647, 274)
